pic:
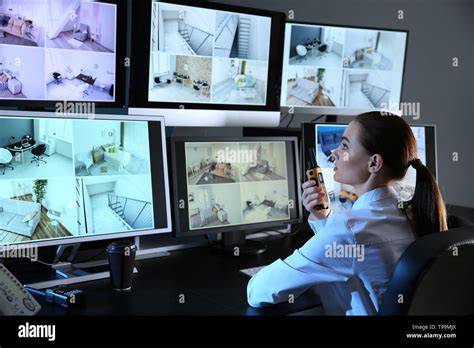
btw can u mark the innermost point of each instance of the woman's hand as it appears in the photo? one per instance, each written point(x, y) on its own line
point(312, 196)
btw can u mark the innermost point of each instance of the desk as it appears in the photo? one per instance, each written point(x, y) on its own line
point(209, 281)
point(19, 148)
point(86, 78)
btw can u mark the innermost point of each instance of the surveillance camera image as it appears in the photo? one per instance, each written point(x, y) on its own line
point(55, 182)
point(232, 183)
point(57, 50)
point(342, 67)
point(207, 56)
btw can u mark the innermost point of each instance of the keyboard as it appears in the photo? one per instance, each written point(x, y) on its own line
point(250, 272)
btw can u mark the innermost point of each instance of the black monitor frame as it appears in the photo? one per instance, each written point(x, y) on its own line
point(342, 110)
point(121, 72)
point(141, 32)
point(179, 187)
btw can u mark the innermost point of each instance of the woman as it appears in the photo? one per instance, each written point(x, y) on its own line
point(351, 257)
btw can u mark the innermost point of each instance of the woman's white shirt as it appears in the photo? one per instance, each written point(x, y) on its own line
point(349, 260)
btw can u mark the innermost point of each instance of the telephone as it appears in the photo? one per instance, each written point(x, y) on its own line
point(14, 299)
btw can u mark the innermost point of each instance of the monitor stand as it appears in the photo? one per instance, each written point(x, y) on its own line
point(67, 272)
point(236, 244)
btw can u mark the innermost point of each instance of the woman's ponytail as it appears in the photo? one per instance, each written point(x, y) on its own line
point(427, 205)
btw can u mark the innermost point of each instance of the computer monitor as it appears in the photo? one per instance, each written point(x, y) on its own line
point(225, 185)
point(70, 50)
point(324, 138)
point(207, 64)
point(341, 70)
point(83, 180)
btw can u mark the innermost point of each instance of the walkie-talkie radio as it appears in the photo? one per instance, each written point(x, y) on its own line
point(314, 172)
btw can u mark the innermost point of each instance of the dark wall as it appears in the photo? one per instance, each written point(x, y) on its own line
point(302, 35)
point(14, 127)
point(438, 31)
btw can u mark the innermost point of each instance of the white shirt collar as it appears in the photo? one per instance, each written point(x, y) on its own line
point(374, 195)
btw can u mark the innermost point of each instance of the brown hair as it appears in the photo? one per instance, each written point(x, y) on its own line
point(392, 138)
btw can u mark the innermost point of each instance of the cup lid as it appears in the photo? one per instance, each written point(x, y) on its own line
point(120, 246)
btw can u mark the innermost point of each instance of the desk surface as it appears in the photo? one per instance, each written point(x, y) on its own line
point(209, 281)
point(31, 143)
point(86, 78)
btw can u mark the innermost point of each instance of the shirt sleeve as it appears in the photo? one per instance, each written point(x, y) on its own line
point(320, 260)
point(317, 225)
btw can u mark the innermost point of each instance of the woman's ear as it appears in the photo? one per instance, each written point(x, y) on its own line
point(375, 163)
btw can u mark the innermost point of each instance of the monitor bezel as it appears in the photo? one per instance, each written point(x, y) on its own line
point(141, 58)
point(179, 232)
point(309, 137)
point(106, 236)
point(121, 71)
point(340, 110)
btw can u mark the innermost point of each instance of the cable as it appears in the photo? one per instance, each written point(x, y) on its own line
point(43, 263)
point(291, 120)
point(209, 239)
point(317, 118)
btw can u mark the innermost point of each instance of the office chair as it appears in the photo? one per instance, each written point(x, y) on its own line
point(322, 49)
point(434, 276)
point(38, 152)
point(5, 159)
point(57, 78)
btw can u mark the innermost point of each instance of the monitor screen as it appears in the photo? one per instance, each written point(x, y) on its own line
point(325, 138)
point(229, 185)
point(334, 67)
point(61, 50)
point(63, 180)
point(208, 56)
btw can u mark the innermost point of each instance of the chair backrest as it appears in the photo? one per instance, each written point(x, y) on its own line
point(434, 276)
point(39, 150)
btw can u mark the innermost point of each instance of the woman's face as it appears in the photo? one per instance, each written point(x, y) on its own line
point(351, 158)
